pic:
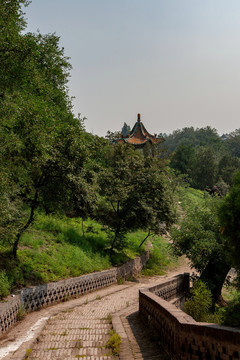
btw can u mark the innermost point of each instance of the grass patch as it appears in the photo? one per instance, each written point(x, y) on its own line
point(160, 258)
point(189, 197)
point(108, 318)
point(54, 248)
point(4, 285)
point(120, 280)
point(27, 354)
point(114, 343)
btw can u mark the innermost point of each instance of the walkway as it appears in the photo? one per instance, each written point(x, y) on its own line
point(79, 329)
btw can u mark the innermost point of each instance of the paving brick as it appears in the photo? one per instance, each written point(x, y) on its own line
point(84, 329)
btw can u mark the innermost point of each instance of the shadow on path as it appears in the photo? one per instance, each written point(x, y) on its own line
point(147, 346)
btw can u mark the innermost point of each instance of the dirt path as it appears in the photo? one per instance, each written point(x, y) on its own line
point(80, 328)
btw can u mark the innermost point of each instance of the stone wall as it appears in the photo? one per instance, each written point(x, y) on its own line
point(183, 337)
point(133, 267)
point(31, 299)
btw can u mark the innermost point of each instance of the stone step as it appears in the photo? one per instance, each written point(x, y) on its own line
point(82, 357)
point(83, 337)
point(72, 343)
point(77, 325)
point(81, 320)
point(74, 353)
point(80, 331)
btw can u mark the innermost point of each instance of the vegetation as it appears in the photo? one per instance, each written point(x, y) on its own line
point(230, 315)
point(199, 238)
point(136, 193)
point(41, 153)
point(72, 202)
point(199, 303)
point(199, 306)
point(54, 248)
point(49, 163)
point(190, 198)
point(229, 216)
point(4, 284)
point(114, 343)
point(161, 258)
point(55, 177)
point(204, 157)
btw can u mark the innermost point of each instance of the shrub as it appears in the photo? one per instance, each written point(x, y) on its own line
point(200, 302)
point(231, 313)
point(114, 343)
point(4, 285)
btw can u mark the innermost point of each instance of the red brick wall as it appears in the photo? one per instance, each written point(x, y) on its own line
point(183, 337)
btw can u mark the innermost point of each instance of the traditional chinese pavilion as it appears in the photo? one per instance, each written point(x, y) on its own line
point(139, 136)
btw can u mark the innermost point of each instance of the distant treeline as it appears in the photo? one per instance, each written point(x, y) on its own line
point(206, 158)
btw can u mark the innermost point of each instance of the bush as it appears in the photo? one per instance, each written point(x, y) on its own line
point(200, 302)
point(231, 313)
point(4, 285)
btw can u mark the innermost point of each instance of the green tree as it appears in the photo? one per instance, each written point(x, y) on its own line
point(197, 153)
point(182, 158)
point(113, 137)
point(227, 166)
point(229, 215)
point(195, 137)
point(233, 143)
point(199, 237)
point(13, 50)
point(125, 129)
point(42, 151)
point(204, 168)
point(135, 194)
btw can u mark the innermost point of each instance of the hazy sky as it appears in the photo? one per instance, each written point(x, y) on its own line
point(177, 62)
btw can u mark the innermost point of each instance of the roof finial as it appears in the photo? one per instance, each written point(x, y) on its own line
point(139, 117)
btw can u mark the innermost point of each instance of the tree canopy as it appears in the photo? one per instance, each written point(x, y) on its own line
point(135, 193)
point(199, 237)
point(229, 215)
point(41, 150)
point(204, 157)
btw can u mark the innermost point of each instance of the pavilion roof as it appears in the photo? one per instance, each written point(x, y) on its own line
point(139, 136)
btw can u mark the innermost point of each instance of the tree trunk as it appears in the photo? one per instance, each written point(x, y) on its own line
point(116, 234)
point(114, 240)
point(83, 228)
point(28, 223)
point(118, 228)
point(149, 233)
point(214, 276)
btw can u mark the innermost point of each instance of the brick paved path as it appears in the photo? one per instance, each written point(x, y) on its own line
point(79, 329)
point(142, 343)
point(83, 332)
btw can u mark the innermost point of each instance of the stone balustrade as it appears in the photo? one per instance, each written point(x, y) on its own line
point(37, 297)
point(181, 336)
